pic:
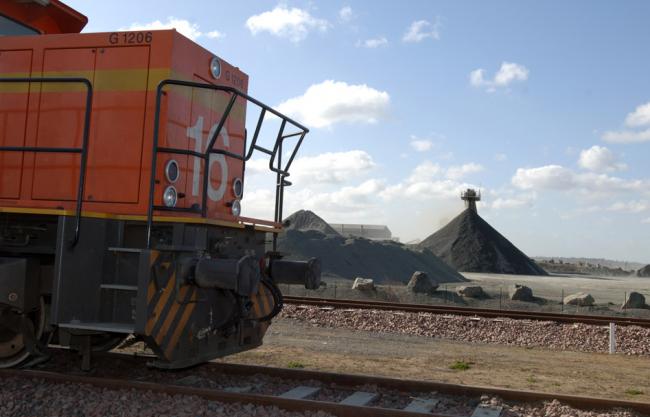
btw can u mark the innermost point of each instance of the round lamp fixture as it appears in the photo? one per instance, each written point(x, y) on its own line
point(237, 187)
point(215, 67)
point(236, 208)
point(172, 171)
point(170, 197)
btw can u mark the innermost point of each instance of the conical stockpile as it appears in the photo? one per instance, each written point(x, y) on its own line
point(306, 235)
point(469, 244)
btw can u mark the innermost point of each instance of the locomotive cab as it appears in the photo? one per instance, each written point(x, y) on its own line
point(122, 169)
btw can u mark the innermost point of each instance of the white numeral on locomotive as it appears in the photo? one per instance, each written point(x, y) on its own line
point(196, 132)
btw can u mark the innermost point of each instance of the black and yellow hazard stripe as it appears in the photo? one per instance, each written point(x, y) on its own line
point(169, 308)
point(263, 302)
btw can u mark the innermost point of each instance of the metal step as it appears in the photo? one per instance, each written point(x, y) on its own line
point(124, 250)
point(119, 287)
point(127, 328)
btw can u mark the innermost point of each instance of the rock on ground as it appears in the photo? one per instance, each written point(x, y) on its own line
point(521, 293)
point(634, 300)
point(471, 291)
point(363, 284)
point(420, 283)
point(644, 272)
point(579, 299)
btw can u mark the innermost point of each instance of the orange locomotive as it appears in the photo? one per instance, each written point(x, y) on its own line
point(122, 163)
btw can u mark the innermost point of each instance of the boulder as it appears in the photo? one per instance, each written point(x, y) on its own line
point(579, 299)
point(420, 283)
point(634, 300)
point(521, 293)
point(471, 291)
point(363, 284)
point(644, 272)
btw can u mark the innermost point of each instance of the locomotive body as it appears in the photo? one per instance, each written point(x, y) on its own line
point(122, 162)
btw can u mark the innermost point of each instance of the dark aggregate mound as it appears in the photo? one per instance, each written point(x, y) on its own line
point(304, 220)
point(644, 272)
point(383, 261)
point(468, 243)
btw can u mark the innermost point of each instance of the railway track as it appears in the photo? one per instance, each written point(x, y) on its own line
point(299, 390)
point(467, 311)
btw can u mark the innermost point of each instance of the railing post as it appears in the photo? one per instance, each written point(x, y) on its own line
point(612, 338)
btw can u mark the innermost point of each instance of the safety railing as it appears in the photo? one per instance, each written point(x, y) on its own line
point(275, 160)
point(83, 151)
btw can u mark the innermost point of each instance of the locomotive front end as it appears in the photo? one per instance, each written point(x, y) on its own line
point(122, 158)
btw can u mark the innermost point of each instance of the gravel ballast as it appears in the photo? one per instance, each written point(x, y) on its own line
point(631, 340)
point(39, 398)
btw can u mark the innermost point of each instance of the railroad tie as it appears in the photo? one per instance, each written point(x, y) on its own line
point(360, 398)
point(487, 411)
point(300, 392)
point(421, 405)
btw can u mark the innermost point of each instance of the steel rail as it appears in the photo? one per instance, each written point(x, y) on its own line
point(343, 380)
point(468, 311)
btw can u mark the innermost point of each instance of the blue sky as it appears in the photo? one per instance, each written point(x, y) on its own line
point(543, 105)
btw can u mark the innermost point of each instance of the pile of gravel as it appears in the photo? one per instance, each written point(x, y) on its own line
point(305, 220)
point(468, 243)
point(382, 261)
point(631, 340)
point(644, 272)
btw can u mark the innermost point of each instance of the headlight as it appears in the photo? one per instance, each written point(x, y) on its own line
point(236, 208)
point(170, 196)
point(215, 67)
point(172, 171)
point(237, 187)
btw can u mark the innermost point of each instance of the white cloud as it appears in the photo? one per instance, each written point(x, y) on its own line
point(424, 183)
point(421, 145)
point(331, 167)
point(506, 75)
point(630, 206)
point(372, 43)
point(215, 34)
point(184, 27)
point(639, 117)
point(600, 159)
point(546, 177)
point(525, 200)
point(345, 14)
point(555, 177)
point(421, 30)
point(458, 172)
point(500, 157)
point(293, 24)
point(646, 221)
point(627, 136)
point(332, 102)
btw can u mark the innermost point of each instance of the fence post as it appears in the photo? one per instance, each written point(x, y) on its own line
point(612, 338)
point(500, 298)
point(562, 301)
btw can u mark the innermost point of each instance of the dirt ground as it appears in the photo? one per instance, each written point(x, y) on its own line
point(339, 350)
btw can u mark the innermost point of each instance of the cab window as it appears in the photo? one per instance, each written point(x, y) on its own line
point(9, 27)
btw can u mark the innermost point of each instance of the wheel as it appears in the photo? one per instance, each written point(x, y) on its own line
point(13, 346)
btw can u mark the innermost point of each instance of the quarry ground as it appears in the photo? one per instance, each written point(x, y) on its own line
point(292, 343)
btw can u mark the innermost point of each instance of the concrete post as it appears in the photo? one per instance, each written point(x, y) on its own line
point(612, 338)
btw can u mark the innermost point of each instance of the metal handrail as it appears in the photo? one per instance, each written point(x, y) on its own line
point(83, 151)
point(281, 171)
